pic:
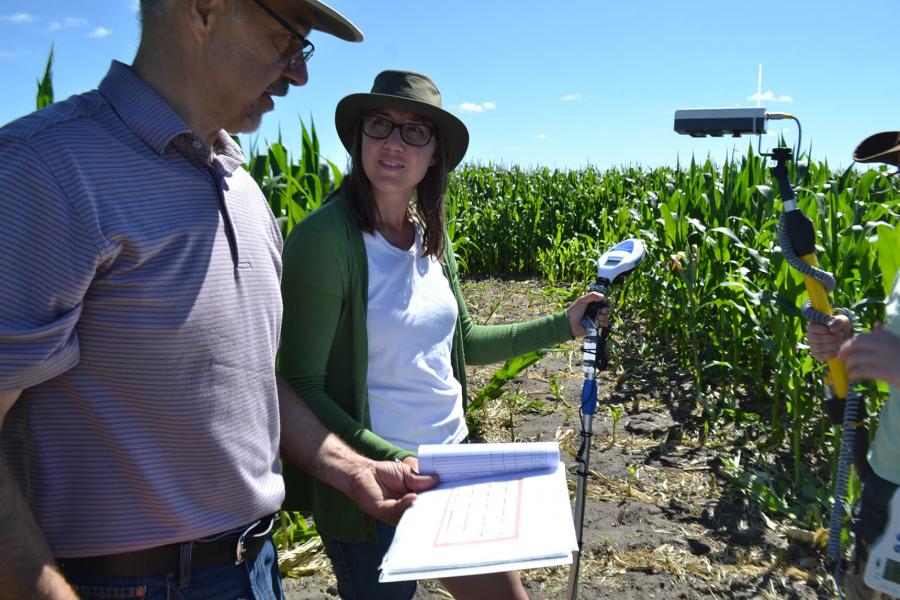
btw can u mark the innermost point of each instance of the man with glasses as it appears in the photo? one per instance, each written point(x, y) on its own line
point(140, 315)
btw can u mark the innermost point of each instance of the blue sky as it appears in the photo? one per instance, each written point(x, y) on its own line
point(558, 84)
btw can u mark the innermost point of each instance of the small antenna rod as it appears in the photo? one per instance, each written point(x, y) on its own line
point(759, 86)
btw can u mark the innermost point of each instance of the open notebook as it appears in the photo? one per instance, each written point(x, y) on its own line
point(498, 507)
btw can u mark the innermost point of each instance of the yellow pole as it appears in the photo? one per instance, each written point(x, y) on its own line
point(819, 299)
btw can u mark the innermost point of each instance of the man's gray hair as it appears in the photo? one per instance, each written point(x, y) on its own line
point(151, 9)
point(156, 9)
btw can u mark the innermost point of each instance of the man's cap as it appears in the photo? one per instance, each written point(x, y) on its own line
point(331, 21)
point(882, 147)
point(412, 92)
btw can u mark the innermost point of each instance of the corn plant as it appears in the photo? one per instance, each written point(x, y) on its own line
point(294, 188)
point(45, 84)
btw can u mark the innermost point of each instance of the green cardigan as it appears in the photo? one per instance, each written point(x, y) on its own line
point(324, 351)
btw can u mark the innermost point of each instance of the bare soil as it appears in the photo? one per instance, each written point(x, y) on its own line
point(659, 520)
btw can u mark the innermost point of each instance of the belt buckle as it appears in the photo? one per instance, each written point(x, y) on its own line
point(240, 552)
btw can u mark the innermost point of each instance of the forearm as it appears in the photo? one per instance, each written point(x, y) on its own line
point(383, 489)
point(336, 419)
point(486, 344)
point(26, 564)
point(306, 443)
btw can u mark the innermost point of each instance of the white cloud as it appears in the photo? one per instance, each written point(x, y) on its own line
point(769, 96)
point(541, 136)
point(68, 23)
point(570, 97)
point(758, 96)
point(475, 107)
point(100, 32)
point(19, 18)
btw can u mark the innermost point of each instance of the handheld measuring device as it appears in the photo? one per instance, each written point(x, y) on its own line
point(619, 260)
point(616, 262)
point(883, 566)
point(612, 266)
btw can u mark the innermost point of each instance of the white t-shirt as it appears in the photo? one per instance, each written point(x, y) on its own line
point(413, 396)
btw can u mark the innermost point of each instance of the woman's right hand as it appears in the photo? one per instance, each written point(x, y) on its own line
point(826, 340)
point(577, 309)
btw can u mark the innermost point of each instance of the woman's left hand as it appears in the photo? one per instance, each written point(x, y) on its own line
point(577, 309)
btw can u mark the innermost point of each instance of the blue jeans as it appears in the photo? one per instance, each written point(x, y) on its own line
point(356, 567)
point(255, 580)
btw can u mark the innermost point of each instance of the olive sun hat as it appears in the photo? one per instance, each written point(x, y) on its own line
point(882, 147)
point(412, 92)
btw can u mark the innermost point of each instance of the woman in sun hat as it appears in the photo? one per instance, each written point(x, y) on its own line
point(376, 334)
point(869, 356)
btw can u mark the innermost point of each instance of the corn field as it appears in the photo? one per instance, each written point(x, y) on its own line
point(713, 293)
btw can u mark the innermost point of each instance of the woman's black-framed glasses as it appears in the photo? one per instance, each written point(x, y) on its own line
point(414, 134)
point(306, 47)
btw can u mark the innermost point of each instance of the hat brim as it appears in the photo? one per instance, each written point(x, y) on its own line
point(882, 147)
point(453, 131)
point(331, 21)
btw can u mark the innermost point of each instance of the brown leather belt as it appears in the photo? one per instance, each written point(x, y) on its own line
point(232, 547)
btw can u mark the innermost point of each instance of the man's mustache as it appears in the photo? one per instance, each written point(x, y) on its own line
point(279, 88)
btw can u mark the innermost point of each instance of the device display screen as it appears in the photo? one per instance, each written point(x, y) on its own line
point(892, 571)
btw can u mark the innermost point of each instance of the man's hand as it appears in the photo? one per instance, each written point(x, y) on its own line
point(382, 489)
point(577, 309)
point(873, 355)
point(386, 489)
point(826, 340)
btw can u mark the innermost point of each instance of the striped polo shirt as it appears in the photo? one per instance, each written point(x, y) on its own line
point(140, 312)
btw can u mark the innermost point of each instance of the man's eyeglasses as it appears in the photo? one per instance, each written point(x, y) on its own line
point(306, 47)
point(414, 134)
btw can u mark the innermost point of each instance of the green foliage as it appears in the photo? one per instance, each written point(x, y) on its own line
point(616, 413)
point(556, 389)
point(714, 291)
point(293, 528)
point(511, 369)
point(294, 188)
point(516, 403)
point(759, 485)
point(45, 85)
